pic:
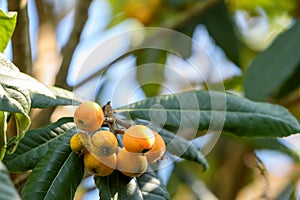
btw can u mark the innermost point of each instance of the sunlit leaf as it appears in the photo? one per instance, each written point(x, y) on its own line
point(8, 23)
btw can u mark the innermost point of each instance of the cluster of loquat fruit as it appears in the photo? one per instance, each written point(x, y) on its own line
point(101, 150)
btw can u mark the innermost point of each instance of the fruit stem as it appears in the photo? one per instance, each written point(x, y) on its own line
point(123, 123)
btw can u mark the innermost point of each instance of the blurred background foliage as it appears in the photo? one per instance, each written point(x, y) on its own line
point(241, 37)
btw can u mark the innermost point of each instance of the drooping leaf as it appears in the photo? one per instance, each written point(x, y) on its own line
point(62, 98)
point(217, 111)
point(36, 144)
point(118, 186)
point(11, 76)
point(7, 189)
point(8, 23)
point(16, 101)
point(58, 173)
point(3, 140)
point(273, 67)
point(222, 28)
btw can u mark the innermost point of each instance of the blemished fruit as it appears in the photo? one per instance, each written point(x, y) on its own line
point(138, 139)
point(89, 116)
point(100, 166)
point(131, 164)
point(104, 143)
point(158, 149)
point(80, 142)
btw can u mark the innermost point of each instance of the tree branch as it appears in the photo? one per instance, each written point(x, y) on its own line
point(20, 38)
point(80, 18)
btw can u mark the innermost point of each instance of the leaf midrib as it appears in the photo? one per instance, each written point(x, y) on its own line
point(263, 115)
point(57, 175)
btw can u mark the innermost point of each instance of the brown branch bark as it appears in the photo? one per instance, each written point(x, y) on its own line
point(20, 38)
point(80, 18)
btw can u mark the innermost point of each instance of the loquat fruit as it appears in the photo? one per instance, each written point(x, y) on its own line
point(89, 116)
point(131, 164)
point(80, 142)
point(104, 143)
point(158, 149)
point(100, 166)
point(138, 139)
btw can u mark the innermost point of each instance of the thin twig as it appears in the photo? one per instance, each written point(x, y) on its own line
point(80, 19)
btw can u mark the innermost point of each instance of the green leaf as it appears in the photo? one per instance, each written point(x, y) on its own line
point(58, 174)
point(182, 148)
point(3, 140)
point(290, 85)
point(118, 186)
point(16, 101)
point(7, 189)
point(36, 144)
point(150, 70)
point(217, 111)
point(274, 66)
point(62, 97)
point(8, 22)
point(222, 28)
point(11, 76)
point(151, 187)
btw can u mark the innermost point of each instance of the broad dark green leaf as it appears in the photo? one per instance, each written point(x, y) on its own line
point(271, 68)
point(8, 23)
point(118, 187)
point(182, 148)
point(7, 189)
point(290, 85)
point(58, 173)
point(62, 98)
point(217, 111)
point(222, 28)
point(36, 144)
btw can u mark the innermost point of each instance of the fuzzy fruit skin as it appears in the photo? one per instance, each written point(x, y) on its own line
point(158, 149)
point(100, 166)
point(131, 164)
point(104, 143)
point(80, 143)
point(138, 138)
point(89, 116)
